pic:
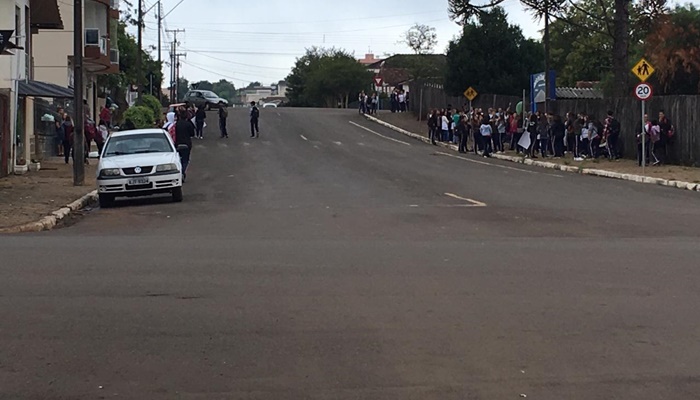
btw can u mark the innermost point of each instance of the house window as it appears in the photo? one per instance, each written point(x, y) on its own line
point(18, 24)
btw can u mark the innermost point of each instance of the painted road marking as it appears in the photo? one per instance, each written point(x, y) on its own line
point(304, 137)
point(338, 143)
point(496, 165)
point(473, 203)
point(379, 134)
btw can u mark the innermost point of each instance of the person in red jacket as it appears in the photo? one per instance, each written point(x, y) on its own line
point(106, 116)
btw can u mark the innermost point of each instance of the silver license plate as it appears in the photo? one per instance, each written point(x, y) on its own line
point(138, 181)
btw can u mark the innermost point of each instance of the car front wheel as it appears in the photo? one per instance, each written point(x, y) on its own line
point(177, 195)
point(106, 200)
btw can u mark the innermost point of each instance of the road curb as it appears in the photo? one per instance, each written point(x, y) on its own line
point(550, 165)
point(50, 221)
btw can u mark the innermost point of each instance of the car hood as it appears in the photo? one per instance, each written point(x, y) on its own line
point(138, 160)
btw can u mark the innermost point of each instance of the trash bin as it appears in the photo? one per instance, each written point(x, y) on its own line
point(45, 146)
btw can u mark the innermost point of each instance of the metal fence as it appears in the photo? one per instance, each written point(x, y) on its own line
point(684, 112)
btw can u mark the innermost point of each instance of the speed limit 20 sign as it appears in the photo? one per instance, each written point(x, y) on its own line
point(643, 91)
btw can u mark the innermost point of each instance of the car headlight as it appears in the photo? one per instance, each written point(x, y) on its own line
point(110, 172)
point(166, 167)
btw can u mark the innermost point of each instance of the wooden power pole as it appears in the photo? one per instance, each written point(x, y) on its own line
point(78, 90)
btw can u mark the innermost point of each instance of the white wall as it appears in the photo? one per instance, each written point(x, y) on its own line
point(13, 68)
point(52, 48)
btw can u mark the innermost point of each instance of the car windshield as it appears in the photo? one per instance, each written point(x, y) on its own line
point(210, 95)
point(138, 144)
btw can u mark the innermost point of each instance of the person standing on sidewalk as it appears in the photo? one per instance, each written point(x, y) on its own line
point(667, 137)
point(68, 129)
point(433, 126)
point(543, 135)
point(558, 134)
point(463, 128)
point(612, 136)
point(60, 134)
point(199, 118)
point(223, 115)
point(254, 120)
point(486, 132)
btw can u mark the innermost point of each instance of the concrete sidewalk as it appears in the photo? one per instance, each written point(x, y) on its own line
point(27, 199)
point(666, 175)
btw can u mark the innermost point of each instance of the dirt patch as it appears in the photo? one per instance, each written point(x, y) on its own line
point(410, 123)
point(28, 198)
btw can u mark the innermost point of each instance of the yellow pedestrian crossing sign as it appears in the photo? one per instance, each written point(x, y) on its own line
point(643, 70)
point(470, 93)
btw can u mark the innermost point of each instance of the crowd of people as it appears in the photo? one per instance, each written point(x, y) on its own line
point(65, 132)
point(544, 135)
point(368, 104)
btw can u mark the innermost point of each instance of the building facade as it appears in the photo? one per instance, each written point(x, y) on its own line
point(53, 53)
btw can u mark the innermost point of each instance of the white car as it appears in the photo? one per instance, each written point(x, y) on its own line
point(139, 162)
point(269, 105)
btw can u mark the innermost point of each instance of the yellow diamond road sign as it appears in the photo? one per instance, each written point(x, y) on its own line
point(643, 70)
point(470, 93)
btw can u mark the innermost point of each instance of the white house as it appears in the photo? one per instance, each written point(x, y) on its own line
point(256, 94)
point(16, 34)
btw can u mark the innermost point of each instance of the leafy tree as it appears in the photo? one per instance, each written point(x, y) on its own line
point(253, 85)
point(116, 85)
point(673, 47)
point(183, 86)
point(202, 85)
point(225, 89)
point(150, 102)
point(141, 116)
point(616, 17)
point(492, 56)
point(326, 77)
point(422, 39)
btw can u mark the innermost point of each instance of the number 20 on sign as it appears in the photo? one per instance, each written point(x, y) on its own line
point(643, 91)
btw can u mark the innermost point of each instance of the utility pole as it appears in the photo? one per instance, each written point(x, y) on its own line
point(139, 57)
point(547, 80)
point(177, 72)
point(174, 64)
point(160, 60)
point(78, 122)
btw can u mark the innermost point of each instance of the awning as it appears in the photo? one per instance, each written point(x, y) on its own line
point(45, 14)
point(44, 89)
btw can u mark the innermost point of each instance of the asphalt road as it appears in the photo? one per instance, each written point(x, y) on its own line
point(326, 261)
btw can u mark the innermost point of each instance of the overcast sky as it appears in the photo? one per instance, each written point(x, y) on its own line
point(245, 41)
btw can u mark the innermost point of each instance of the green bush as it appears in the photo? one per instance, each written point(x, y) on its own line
point(146, 100)
point(141, 116)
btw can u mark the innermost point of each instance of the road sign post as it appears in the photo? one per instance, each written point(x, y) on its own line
point(643, 91)
point(470, 94)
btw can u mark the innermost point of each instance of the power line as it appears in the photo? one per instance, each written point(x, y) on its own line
point(305, 33)
point(249, 52)
point(235, 72)
point(236, 63)
point(217, 73)
point(310, 22)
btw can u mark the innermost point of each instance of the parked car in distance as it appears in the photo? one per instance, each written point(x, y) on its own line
point(269, 105)
point(139, 162)
point(206, 99)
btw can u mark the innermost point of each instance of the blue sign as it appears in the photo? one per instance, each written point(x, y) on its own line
point(538, 89)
